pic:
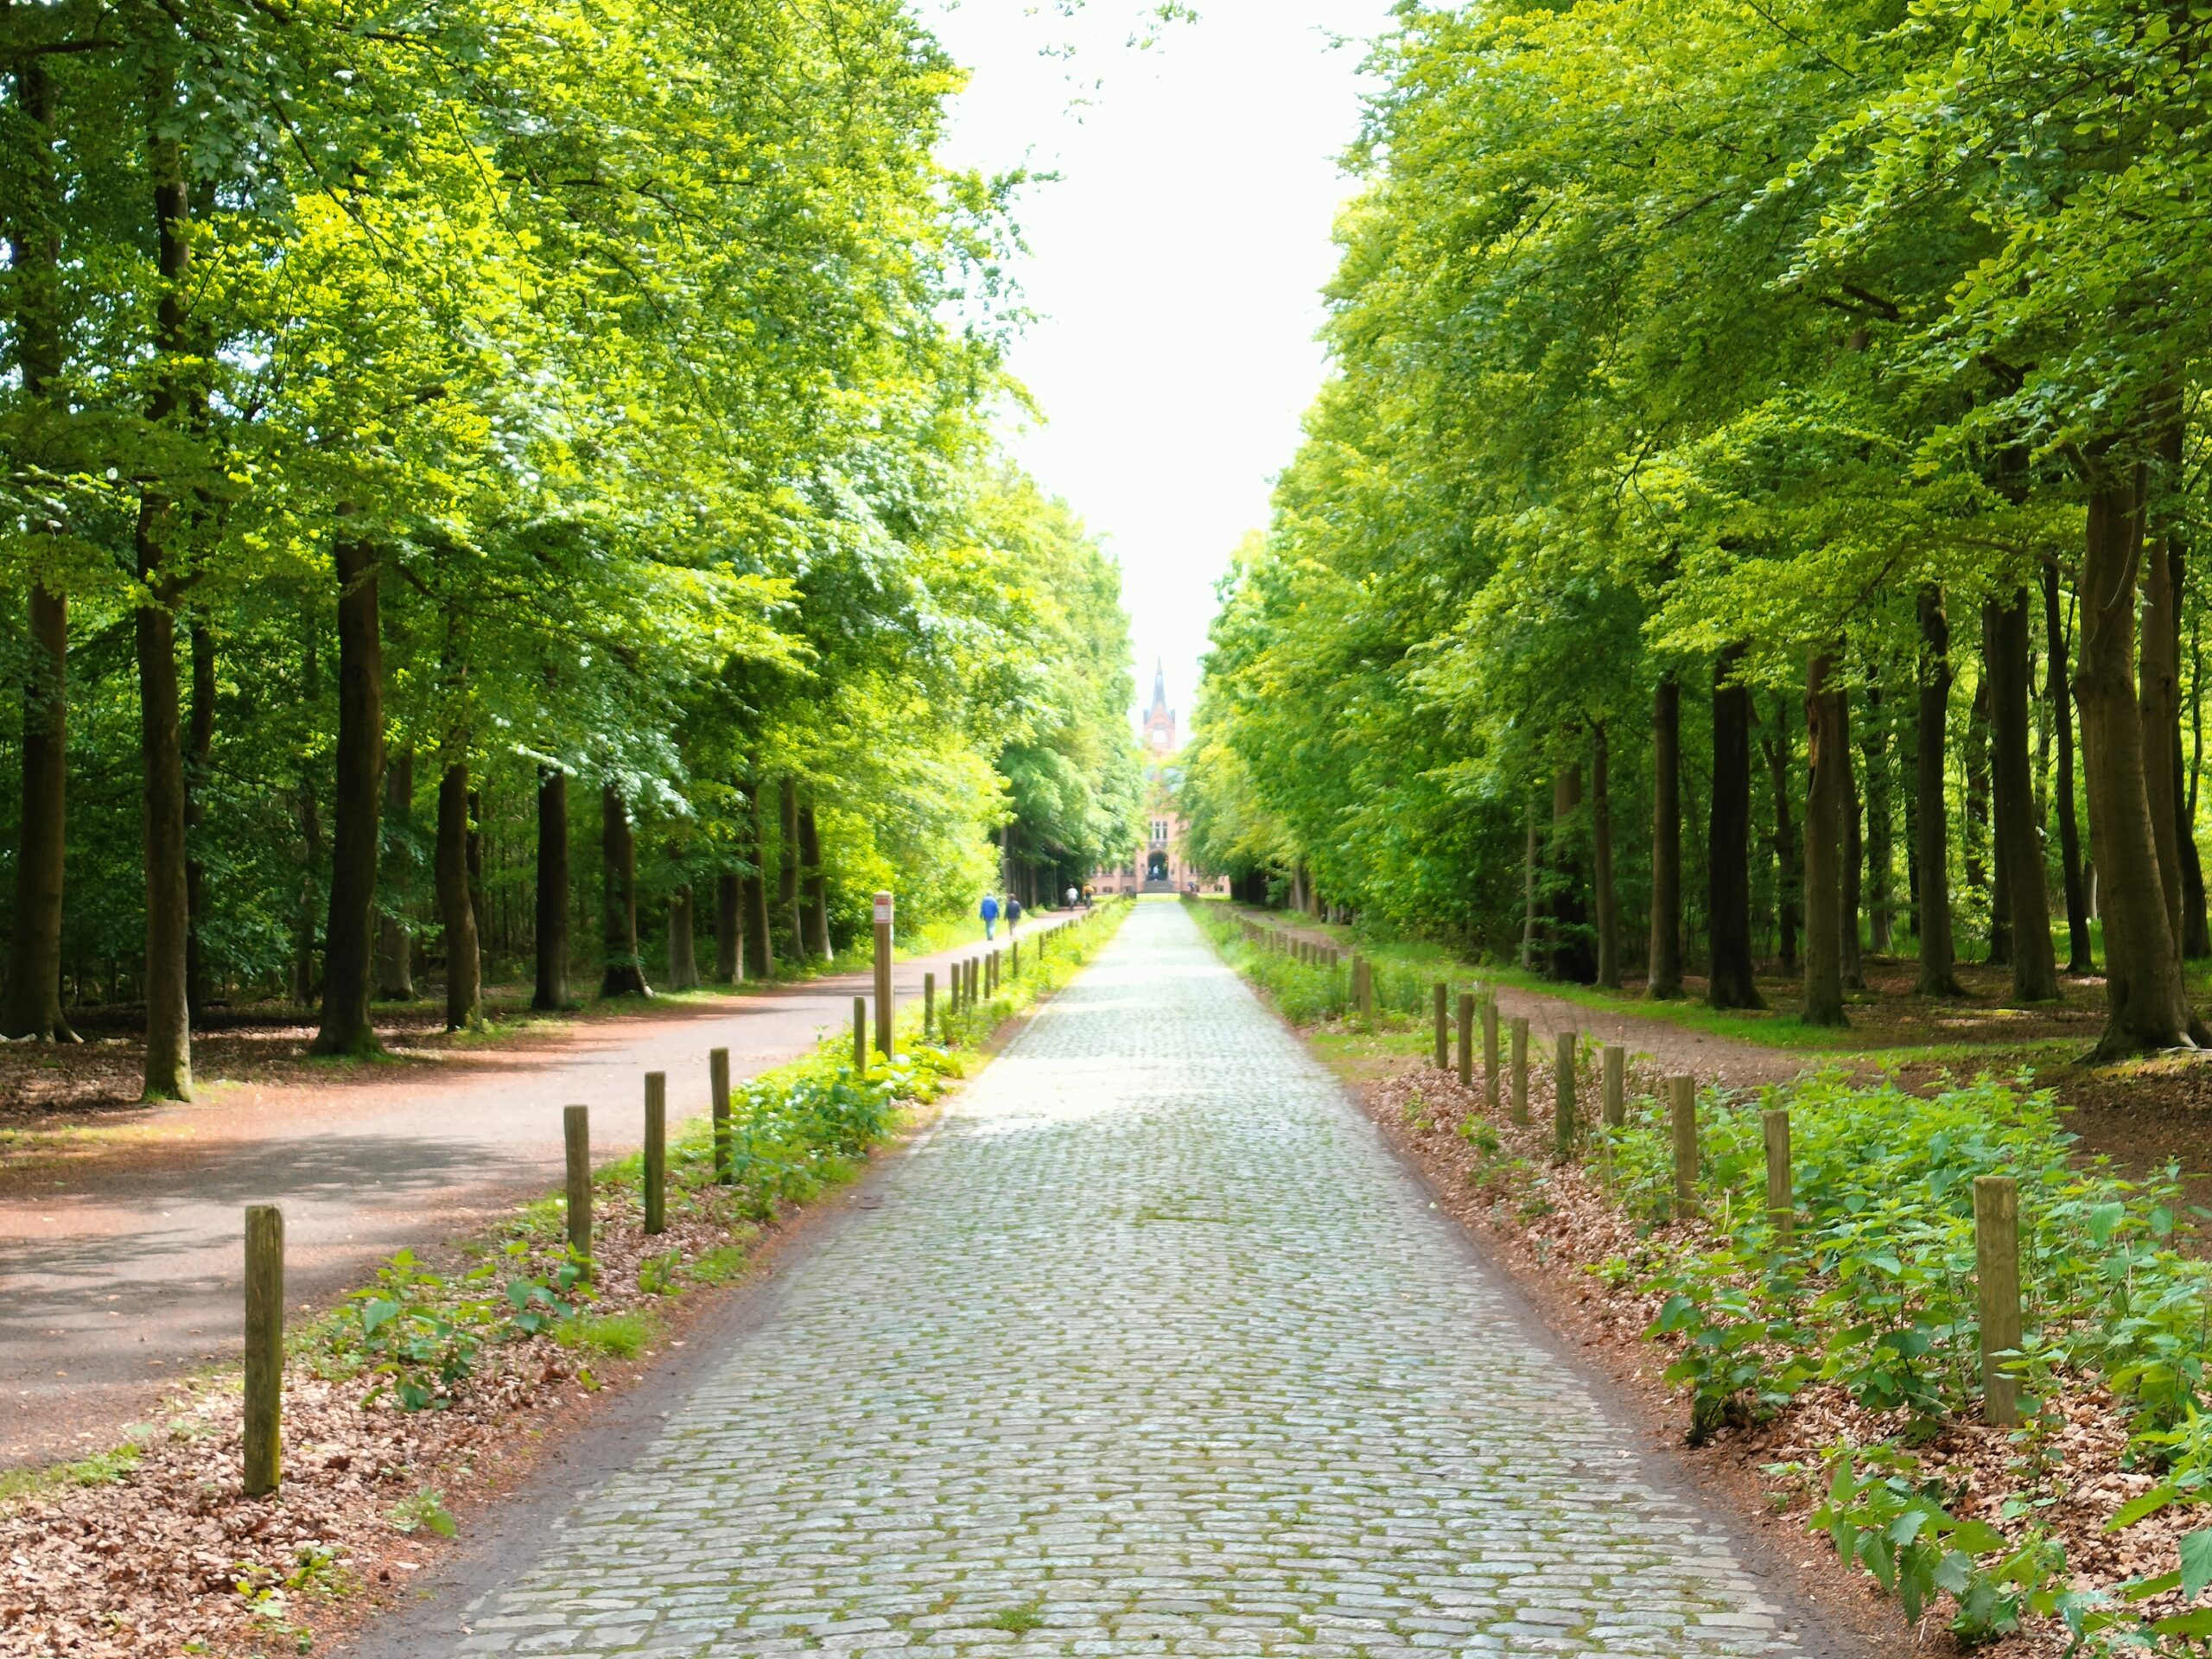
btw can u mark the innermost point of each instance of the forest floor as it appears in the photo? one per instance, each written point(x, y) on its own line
point(120, 1222)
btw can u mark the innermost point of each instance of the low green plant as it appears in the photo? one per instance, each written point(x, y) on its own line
point(424, 1511)
point(1027, 1617)
point(620, 1336)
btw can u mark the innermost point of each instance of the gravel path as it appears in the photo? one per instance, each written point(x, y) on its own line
point(1151, 1347)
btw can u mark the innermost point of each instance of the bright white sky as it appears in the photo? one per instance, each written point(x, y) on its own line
point(1175, 265)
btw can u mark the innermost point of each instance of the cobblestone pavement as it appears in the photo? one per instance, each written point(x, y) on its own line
point(1150, 1347)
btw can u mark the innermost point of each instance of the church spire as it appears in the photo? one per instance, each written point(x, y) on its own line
point(1160, 684)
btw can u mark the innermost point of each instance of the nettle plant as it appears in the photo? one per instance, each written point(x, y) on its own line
point(1875, 1292)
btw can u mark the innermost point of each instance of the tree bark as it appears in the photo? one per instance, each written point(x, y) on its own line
point(349, 937)
point(2019, 826)
point(1789, 883)
point(1854, 971)
point(1931, 821)
point(200, 753)
point(816, 894)
point(395, 939)
point(2147, 1004)
point(1881, 825)
point(729, 960)
point(551, 991)
point(1825, 744)
point(683, 947)
point(1601, 859)
point(625, 975)
point(759, 949)
point(1665, 981)
point(1977, 839)
point(456, 907)
point(474, 861)
point(1729, 983)
point(33, 1007)
point(2079, 957)
point(787, 861)
point(2159, 701)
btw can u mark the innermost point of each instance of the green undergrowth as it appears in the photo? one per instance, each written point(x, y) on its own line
point(1872, 1289)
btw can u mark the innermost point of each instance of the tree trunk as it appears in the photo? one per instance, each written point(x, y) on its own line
point(200, 753)
point(1881, 823)
point(2146, 1005)
point(2195, 933)
point(456, 909)
point(683, 949)
point(1601, 860)
point(729, 961)
point(395, 940)
point(1855, 971)
point(1790, 884)
point(349, 937)
point(787, 870)
point(626, 969)
point(1665, 979)
point(759, 949)
point(551, 991)
point(1931, 822)
point(1729, 983)
point(477, 901)
point(2019, 828)
point(1977, 822)
point(2078, 959)
point(1573, 954)
point(2159, 703)
point(1826, 741)
point(33, 1007)
point(816, 895)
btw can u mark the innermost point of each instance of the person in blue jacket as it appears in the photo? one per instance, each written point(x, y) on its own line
point(1013, 914)
point(990, 915)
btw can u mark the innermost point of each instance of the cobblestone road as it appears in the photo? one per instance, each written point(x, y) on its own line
point(1150, 1347)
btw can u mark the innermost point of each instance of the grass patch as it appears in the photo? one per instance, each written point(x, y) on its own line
point(619, 1336)
point(1027, 1617)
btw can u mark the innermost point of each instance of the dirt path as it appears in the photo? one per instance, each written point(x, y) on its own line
point(119, 1268)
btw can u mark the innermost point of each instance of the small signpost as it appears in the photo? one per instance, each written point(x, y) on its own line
point(885, 1007)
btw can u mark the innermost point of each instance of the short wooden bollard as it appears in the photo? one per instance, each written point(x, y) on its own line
point(1520, 1110)
point(575, 1137)
point(1997, 1278)
point(264, 1348)
point(1614, 1103)
point(860, 1035)
point(886, 1002)
point(1490, 1053)
point(656, 1152)
point(1366, 988)
point(929, 1007)
point(1013, 958)
point(1682, 1110)
point(718, 1108)
point(1443, 1034)
point(1563, 1098)
point(1781, 1192)
point(1466, 1039)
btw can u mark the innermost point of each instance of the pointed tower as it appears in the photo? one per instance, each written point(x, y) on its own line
point(1160, 719)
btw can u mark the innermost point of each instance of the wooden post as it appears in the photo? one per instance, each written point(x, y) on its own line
point(264, 1348)
point(1366, 988)
point(1997, 1277)
point(1780, 1194)
point(1682, 1110)
point(718, 1105)
point(1466, 1039)
point(1520, 1029)
point(1563, 1098)
point(860, 1035)
point(656, 1152)
point(1489, 1052)
point(1442, 998)
point(575, 1135)
point(886, 1004)
point(1616, 1097)
point(1014, 957)
point(929, 1007)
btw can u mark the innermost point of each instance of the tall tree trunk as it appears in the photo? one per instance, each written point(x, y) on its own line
point(33, 1007)
point(1881, 824)
point(1826, 742)
point(787, 861)
point(456, 907)
point(1977, 822)
point(1573, 955)
point(168, 1016)
point(551, 991)
point(683, 946)
point(729, 926)
point(1931, 824)
point(2078, 959)
point(1665, 979)
point(2019, 828)
point(2159, 697)
point(624, 973)
point(30, 1000)
point(760, 948)
point(817, 885)
point(395, 940)
point(1790, 887)
point(1854, 851)
point(1601, 859)
point(349, 937)
point(2147, 1004)
point(200, 753)
point(2196, 934)
point(478, 901)
point(1729, 983)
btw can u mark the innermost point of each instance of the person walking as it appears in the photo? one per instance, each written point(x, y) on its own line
point(1073, 896)
point(1013, 914)
point(990, 916)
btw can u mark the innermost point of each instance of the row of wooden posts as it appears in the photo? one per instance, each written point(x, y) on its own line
point(977, 978)
point(1996, 1198)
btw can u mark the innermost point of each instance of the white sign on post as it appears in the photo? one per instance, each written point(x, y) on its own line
point(883, 909)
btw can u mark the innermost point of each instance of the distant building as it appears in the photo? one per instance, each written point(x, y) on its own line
point(1158, 863)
